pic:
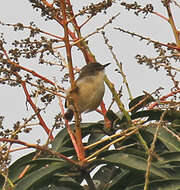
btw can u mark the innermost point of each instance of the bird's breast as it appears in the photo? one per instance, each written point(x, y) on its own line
point(90, 92)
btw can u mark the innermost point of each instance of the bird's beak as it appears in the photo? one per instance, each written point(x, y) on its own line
point(106, 65)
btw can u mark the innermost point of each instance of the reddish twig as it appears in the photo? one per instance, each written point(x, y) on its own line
point(17, 149)
point(71, 134)
point(80, 149)
point(42, 148)
point(28, 70)
point(162, 16)
point(86, 21)
point(163, 98)
point(23, 83)
point(106, 120)
point(41, 121)
point(47, 4)
point(22, 174)
point(173, 26)
point(35, 29)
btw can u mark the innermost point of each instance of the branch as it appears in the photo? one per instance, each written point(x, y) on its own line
point(158, 14)
point(151, 150)
point(71, 134)
point(46, 3)
point(42, 148)
point(41, 121)
point(110, 47)
point(134, 131)
point(173, 26)
point(80, 153)
point(20, 25)
point(122, 133)
point(88, 179)
point(147, 39)
point(23, 83)
point(27, 70)
point(163, 98)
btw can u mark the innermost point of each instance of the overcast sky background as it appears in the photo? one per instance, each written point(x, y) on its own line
point(12, 100)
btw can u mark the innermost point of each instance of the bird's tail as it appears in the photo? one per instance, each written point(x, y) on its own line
point(69, 114)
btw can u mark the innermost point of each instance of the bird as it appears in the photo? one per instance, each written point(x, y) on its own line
point(88, 92)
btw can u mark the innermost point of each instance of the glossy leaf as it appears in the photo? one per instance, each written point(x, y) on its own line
point(105, 174)
point(40, 175)
point(62, 140)
point(111, 116)
point(59, 140)
point(166, 184)
point(136, 105)
point(44, 161)
point(151, 115)
point(126, 178)
point(156, 115)
point(131, 161)
point(170, 141)
point(56, 182)
point(14, 172)
point(169, 157)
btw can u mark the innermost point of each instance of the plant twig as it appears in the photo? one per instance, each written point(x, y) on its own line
point(32, 28)
point(41, 121)
point(42, 148)
point(160, 15)
point(117, 63)
point(114, 141)
point(151, 150)
point(163, 98)
point(122, 133)
point(71, 134)
point(173, 26)
point(147, 39)
point(25, 69)
point(80, 153)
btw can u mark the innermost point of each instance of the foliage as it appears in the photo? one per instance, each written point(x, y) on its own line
point(135, 148)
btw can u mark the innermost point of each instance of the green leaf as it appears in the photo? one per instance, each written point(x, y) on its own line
point(146, 99)
point(170, 141)
point(151, 115)
point(63, 142)
point(166, 184)
point(169, 157)
point(41, 175)
point(105, 174)
point(53, 187)
point(95, 136)
point(126, 178)
point(59, 140)
point(111, 116)
point(14, 172)
point(43, 161)
point(131, 161)
point(57, 182)
point(156, 115)
point(176, 123)
point(68, 182)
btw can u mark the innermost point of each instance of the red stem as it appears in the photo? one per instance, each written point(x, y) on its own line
point(28, 70)
point(41, 121)
point(158, 14)
point(78, 140)
point(106, 120)
point(42, 148)
point(163, 98)
point(73, 139)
